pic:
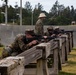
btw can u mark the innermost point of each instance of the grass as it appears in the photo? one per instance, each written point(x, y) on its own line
point(1, 48)
point(70, 68)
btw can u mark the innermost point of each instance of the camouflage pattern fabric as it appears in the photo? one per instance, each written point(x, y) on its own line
point(6, 52)
point(19, 45)
point(39, 29)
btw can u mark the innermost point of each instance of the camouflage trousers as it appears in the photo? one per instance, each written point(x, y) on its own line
point(7, 51)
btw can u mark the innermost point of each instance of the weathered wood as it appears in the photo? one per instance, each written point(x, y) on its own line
point(54, 51)
point(46, 47)
point(67, 43)
point(31, 55)
point(56, 61)
point(64, 37)
point(70, 34)
point(59, 48)
point(42, 68)
point(53, 45)
point(59, 53)
point(41, 62)
point(12, 66)
point(61, 41)
point(71, 40)
point(63, 53)
point(54, 70)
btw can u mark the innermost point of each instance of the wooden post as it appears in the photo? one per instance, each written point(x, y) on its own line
point(42, 68)
point(54, 51)
point(72, 38)
point(56, 61)
point(63, 52)
point(69, 41)
point(12, 66)
point(67, 45)
point(59, 54)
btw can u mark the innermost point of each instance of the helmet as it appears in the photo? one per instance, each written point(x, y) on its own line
point(30, 31)
point(42, 15)
point(57, 27)
point(50, 28)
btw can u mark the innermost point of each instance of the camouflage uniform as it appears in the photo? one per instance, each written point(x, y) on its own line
point(39, 29)
point(50, 31)
point(56, 30)
point(19, 45)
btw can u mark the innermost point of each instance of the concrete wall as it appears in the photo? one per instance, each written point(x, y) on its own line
point(8, 33)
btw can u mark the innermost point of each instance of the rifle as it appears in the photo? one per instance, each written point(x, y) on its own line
point(41, 38)
point(65, 31)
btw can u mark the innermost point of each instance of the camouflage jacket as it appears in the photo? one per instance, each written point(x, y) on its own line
point(20, 43)
point(39, 29)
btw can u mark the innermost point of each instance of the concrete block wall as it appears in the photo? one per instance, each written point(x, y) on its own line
point(9, 32)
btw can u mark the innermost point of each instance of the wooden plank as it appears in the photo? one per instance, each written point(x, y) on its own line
point(53, 45)
point(71, 40)
point(12, 66)
point(62, 41)
point(56, 61)
point(45, 46)
point(54, 69)
point(64, 49)
point(42, 68)
point(59, 54)
point(31, 55)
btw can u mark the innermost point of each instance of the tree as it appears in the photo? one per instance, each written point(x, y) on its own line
point(6, 4)
point(59, 15)
point(6, 1)
point(28, 6)
point(37, 10)
point(11, 14)
point(54, 9)
point(72, 13)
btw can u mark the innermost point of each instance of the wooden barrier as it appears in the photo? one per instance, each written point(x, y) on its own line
point(39, 54)
point(31, 55)
point(63, 41)
point(64, 50)
point(54, 49)
point(42, 69)
point(70, 37)
point(12, 66)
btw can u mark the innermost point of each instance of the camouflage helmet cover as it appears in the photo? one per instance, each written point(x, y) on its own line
point(50, 28)
point(30, 31)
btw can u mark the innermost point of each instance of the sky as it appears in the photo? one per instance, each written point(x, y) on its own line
point(47, 4)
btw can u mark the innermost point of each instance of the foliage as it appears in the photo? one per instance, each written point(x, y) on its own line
point(58, 14)
point(1, 48)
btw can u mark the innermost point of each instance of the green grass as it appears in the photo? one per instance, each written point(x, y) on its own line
point(65, 73)
point(70, 68)
point(74, 48)
point(1, 48)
